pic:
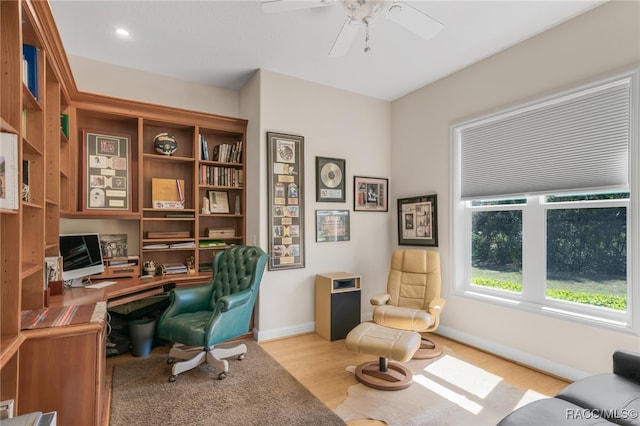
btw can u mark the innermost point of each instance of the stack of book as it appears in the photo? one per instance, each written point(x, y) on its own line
point(174, 268)
point(228, 153)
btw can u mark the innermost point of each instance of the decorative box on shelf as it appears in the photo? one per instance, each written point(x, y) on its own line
point(220, 232)
point(120, 267)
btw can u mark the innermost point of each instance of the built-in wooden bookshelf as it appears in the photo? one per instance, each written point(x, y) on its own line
point(49, 130)
point(142, 122)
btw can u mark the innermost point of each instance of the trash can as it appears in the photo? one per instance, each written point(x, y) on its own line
point(141, 332)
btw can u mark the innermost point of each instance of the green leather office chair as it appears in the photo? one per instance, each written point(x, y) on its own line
point(200, 317)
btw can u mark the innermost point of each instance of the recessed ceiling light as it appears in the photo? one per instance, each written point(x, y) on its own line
point(122, 33)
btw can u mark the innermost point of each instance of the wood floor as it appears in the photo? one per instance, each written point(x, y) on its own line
point(320, 366)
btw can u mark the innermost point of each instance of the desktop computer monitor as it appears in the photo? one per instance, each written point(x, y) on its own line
point(81, 257)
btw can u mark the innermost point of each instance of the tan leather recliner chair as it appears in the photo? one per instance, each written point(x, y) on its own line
point(412, 301)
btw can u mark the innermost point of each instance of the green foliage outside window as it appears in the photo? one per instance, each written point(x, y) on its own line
point(586, 250)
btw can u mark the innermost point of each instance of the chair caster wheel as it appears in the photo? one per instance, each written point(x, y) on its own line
point(222, 375)
point(172, 378)
point(241, 357)
point(171, 360)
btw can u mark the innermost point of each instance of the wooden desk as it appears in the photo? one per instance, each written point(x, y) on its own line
point(125, 290)
point(62, 368)
point(75, 355)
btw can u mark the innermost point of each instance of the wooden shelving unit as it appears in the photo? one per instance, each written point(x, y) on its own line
point(30, 232)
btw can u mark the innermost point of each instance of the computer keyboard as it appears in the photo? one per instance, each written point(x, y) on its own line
point(101, 284)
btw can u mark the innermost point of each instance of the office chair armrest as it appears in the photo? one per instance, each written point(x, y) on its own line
point(627, 364)
point(189, 299)
point(380, 299)
point(232, 301)
point(436, 305)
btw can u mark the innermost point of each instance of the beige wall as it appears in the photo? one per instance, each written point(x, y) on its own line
point(599, 43)
point(111, 80)
point(337, 124)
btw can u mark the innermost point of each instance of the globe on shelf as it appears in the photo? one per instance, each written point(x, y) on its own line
point(165, 143)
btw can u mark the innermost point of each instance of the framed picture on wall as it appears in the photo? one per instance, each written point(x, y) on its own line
point(285, 157)
point(9, 171)
point(418, 221)
point(332, 225)
point(330, 178)
point(106, 183)
point(370, 194)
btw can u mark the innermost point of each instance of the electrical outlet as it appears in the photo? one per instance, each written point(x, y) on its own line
point(6, 409)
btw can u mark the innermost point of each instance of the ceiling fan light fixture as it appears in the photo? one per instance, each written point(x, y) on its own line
point(365, 11)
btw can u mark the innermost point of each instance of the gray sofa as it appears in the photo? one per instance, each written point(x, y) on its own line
point(601, 399)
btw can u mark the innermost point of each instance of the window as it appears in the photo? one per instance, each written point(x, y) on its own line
point(542, 205)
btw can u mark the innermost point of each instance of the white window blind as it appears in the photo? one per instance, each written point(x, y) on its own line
point(577, 141)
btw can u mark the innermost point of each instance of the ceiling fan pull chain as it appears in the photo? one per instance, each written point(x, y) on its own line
point(366, 38)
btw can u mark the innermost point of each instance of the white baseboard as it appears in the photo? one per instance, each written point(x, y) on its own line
point(278, 333)
point(539, 363)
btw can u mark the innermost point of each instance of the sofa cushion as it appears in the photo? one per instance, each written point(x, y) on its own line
point(552, 411)
point(614, 397)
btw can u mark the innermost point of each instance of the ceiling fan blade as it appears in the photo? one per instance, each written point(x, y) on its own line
point(414, 20)
point(277, 6)
point(345, 38)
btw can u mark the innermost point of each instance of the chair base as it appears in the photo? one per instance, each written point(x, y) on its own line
point(384, 375)
point(194, 356)
point(428, 349)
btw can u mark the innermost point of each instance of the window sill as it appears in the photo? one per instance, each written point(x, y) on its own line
point(619, 322)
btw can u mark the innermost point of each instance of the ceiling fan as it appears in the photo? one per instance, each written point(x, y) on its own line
point(363, 13)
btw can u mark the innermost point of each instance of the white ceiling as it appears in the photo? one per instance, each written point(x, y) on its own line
point(222, 43)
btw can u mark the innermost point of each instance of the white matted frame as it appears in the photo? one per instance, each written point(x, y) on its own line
point(370, 194)
point(9, 171)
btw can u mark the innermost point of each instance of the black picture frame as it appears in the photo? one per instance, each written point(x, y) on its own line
point(285, 157)
point(418, 221)
point(370, 194)
point(332, 225)
point(330, 180)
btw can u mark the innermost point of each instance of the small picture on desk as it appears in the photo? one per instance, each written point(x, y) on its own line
point(113, 245)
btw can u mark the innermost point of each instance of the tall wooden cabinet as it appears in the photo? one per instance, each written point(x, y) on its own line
point(52, 152)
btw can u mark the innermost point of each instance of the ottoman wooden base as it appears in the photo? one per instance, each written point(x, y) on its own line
point(428, 349)
point(395, 377)
point(387, 344)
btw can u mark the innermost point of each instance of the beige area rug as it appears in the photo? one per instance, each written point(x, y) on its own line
point(256, 391)
point(445, 391)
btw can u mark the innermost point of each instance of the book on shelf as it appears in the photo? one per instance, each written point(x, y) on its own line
point(64, 124)
point(179, 215)
point(30, 54)
point(24, 122)
point(220, 176)
point(155, 246)
point(174, 268)
point(26, 166)
point(211, 243)
point(168, 234)
point(188, 244)
point(228, 153)
point(160, 246)
point(167, 193)
point(204, 148)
